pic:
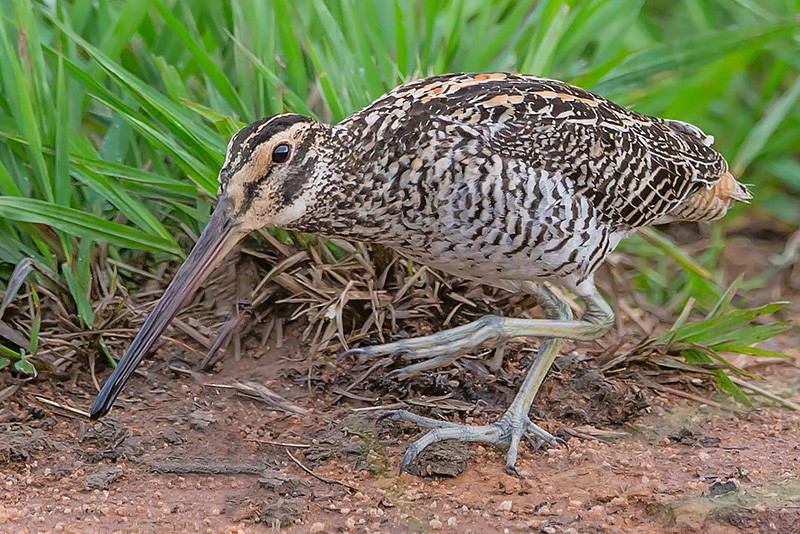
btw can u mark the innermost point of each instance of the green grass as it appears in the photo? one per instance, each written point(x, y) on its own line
point(114, 115)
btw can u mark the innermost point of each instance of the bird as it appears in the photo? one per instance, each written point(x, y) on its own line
point(515, 181)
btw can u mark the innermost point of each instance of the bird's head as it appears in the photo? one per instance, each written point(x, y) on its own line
point(268, 169)
point(266, 180)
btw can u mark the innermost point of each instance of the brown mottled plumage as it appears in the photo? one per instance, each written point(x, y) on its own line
point(508, 179)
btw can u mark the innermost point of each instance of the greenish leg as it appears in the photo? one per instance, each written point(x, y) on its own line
point(514, 423)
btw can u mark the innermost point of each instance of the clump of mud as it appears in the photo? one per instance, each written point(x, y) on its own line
point(19, 442)
point(446, 459)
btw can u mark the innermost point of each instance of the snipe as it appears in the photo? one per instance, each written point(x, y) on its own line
point(507, 179)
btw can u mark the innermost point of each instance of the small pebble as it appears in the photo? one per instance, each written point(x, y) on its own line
point(317, 527)
point(505, 506)
point(435, 524)
point(619, 501)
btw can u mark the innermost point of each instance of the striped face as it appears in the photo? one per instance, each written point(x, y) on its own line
point(266, 169)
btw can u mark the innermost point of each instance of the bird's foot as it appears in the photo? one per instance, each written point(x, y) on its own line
point(506, 432)
point(437, 350)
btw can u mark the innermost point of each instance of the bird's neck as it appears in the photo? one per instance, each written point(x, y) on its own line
point(346, 197)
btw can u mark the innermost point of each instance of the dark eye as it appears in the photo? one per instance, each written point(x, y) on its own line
point(281, 153)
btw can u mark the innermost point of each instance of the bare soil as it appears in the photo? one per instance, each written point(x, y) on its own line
point(178, 453)
point(289, 438)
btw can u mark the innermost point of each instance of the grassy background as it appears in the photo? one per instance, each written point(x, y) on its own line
point(114, 115)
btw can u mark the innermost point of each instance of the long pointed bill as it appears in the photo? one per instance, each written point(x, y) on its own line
point(218, 238)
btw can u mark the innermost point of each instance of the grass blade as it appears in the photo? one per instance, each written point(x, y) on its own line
point(82, 224)
point(21, 272)
point(758, 136)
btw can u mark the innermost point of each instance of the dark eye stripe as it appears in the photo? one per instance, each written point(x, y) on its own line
point(254, 134)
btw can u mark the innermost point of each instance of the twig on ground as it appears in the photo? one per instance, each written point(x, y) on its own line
point(257, 391)
point(318, 477)
point(764, 393)
point(71, 412)
point(280, 443)
point(690, 396)
point(93, 373)
point(594, 433)
point(8, 391)
point(235, 322)
point(344, 393)
point(393, 406)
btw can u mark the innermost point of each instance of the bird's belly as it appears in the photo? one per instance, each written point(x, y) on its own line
point(563, 251)
point(473, 263)
point(479, 266)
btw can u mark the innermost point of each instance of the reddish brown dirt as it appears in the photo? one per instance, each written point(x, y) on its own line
point(179, 455)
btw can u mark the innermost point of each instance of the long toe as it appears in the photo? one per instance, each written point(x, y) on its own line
point(506, 432)
point(349, 353)
point(457, 340)
point(417, 368)
point(487, 434)
point(541, 434)
point(513, 449)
